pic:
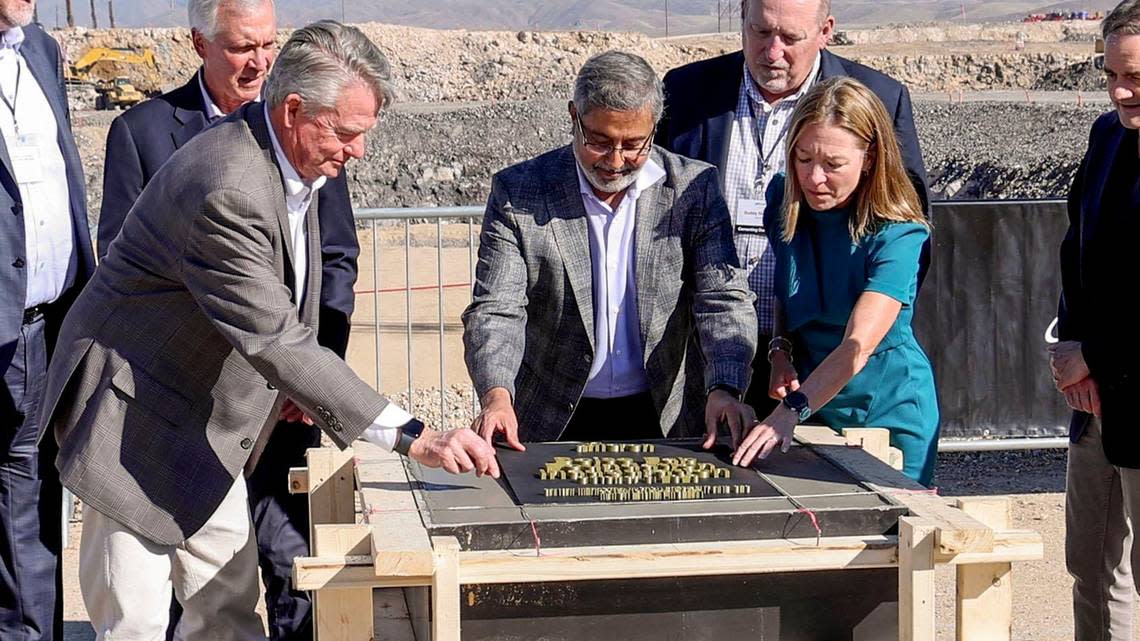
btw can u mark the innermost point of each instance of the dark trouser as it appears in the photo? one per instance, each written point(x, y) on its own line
point(626, 418)
point(31, 580)
point(281, 524)
point(281, 521)
point(757, 394)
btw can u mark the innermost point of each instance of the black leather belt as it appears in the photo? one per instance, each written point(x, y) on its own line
point(33, 314)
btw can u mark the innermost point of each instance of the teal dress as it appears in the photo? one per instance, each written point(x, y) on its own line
point(819, 276)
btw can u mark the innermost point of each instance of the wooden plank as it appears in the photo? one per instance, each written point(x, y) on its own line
point(895, 459)
point(685, 559)
point(957, 532)
point(875, 440)
point(342, 540)
point(332, 485)
point(298, 480)
point(344, 615)
point(677, 560)
point(338, 611)
point(916, 578)
point(400, 544)
point(984, 603)
point(445, 590)
point(390, 617)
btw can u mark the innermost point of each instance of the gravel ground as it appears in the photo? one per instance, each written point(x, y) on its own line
point(429, 155)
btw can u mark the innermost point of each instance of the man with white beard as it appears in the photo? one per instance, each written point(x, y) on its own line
point(597, 263)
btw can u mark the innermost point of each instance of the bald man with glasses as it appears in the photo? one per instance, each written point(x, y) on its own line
point(598, 261)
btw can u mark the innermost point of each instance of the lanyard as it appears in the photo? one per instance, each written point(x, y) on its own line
point(11, 104)
point(766, 158)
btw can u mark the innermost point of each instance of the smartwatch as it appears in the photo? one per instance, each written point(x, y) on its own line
point(409, 432)
point(798, 403)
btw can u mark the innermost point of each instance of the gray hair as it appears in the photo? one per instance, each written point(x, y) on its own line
point(1124, 20)
point(203, 14)
point(618, 81)
point(320, 60)
point(823, 11)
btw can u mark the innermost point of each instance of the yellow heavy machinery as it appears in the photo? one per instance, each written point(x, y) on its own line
point(114, 91)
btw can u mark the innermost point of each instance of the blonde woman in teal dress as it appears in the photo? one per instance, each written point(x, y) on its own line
point(846, 228)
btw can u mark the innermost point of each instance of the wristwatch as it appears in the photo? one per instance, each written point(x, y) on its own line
point(409, 432)
point(798, 403)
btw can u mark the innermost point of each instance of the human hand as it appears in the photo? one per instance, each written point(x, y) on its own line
point(776, 430)
point(1083, 396)
point(783, 378)
point(723, 407)
point(498, 415)
point(1068, 364)
point(457, 451)
point(293, 414)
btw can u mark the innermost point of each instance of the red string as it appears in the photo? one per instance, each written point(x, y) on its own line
point(814, 523)
point(537, 541)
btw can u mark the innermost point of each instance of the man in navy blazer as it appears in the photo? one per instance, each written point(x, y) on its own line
point(1097, 363)
point(734, 111)
point(236, 40)
point(45, 259)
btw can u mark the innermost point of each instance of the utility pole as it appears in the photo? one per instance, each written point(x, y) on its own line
point(70, 15)
point(666, 18)
point(94, 18)
point(342, 11)
point(111, 12)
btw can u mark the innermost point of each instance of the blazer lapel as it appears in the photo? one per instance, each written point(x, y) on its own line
point(653, 208)
point(314, 267)
point(254, 114)
point(572, 236)
point(189, 111)
point(7, 161)
point(1095, 194)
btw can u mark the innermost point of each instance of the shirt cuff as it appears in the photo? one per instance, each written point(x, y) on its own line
point(386, 428)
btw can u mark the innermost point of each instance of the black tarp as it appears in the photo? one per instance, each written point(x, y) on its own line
point(983, 314)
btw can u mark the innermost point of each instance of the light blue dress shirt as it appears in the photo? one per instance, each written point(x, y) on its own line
point(619, 362)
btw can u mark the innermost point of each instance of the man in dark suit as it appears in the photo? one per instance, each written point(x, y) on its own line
point(1097, 363)
point(45, 259)
point(734, 111)
point(236, 40)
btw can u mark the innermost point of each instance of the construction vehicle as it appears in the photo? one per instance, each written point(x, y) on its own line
point(1098, 53)
point(102, 67)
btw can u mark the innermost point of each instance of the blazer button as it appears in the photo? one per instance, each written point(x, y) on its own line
point(270, 386)
point(571, 406)
point(337, 428)
point(17, 209)
point(246, 444)
point(18, 263)
point(587, 358)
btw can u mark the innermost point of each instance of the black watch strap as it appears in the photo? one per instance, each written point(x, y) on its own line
point(409, 432)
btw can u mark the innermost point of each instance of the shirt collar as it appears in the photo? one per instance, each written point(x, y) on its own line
point(758, 98)
point(649, 175)
point(296, 188)
point(213, 112)
point(12, 39)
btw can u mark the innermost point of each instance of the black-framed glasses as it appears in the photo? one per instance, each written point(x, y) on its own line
point(605, 149)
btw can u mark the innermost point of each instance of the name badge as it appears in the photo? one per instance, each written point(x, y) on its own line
point(27, 162)
point(750, 215)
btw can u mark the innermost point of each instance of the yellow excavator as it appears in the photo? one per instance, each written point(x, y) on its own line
point(116, 91)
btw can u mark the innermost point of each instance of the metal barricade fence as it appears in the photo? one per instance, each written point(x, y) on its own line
point(374, 220)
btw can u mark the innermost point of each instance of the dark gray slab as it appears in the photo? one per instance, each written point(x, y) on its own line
point(484, 514)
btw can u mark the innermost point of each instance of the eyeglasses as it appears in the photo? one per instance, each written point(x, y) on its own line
point(602, 149)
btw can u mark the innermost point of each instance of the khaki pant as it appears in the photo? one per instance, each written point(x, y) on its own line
point(127, 580)
point(1100, 502)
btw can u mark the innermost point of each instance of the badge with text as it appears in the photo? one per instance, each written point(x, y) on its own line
point(27, 161)
point(750, 215)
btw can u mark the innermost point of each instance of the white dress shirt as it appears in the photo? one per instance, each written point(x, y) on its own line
point(299, 194)
point(619, 363)
point(31, 135)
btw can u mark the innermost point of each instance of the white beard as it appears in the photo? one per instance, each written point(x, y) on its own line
point(608, 186)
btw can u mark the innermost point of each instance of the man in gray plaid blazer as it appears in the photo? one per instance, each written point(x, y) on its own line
point(197, 327)
point(598, 262)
